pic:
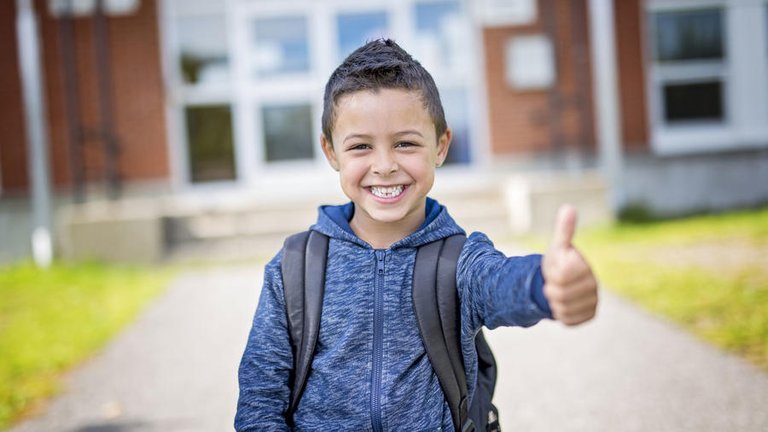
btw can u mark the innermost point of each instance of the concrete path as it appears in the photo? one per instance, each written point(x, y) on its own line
point(175, 370)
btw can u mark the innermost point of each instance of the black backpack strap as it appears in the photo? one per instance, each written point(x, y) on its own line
point(482, 410)
point(435, 301)
point(303, 269)
point(447, 303)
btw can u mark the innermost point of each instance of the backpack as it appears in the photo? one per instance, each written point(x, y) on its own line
point(435, 301)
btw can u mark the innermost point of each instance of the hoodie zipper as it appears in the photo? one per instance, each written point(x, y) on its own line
point(378, 342)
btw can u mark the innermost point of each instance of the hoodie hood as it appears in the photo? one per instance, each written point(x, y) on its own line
point(333, 221)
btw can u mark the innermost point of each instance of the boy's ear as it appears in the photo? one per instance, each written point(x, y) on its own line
point(443, 144)
point(329, 152)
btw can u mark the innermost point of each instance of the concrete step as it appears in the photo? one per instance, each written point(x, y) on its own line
point(259, 232)
point(247, 247)
point(217, 225)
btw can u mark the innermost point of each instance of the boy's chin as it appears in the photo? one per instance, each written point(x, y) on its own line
point(400, 213)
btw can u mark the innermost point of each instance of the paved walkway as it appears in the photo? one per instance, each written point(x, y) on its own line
point(175, 370)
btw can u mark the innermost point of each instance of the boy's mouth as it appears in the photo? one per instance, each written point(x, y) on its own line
point(387, 192)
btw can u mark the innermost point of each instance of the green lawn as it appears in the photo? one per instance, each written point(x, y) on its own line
point(708, 273)
point(52, 319)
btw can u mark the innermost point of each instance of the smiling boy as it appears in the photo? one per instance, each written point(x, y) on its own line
point(384, 131)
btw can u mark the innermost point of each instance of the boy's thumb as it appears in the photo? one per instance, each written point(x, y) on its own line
point(565, 226)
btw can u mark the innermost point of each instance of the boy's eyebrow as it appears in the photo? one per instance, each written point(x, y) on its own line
point(396, 134)
point(356, 135)
point(409, 132)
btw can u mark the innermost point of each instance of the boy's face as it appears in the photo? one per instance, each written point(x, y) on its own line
point(385, 150)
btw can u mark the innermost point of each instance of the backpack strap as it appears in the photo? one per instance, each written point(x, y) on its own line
point(303, 271)
point(435, 300)
point(481, 410)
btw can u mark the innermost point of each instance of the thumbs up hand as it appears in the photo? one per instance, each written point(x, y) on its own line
point(569, 285)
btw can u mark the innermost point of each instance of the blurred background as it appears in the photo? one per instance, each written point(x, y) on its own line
point(657, 107)
point(156, 132)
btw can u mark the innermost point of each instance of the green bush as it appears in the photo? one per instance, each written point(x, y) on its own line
point(636, 213)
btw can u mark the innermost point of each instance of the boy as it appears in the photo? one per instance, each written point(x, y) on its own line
point(385, 133)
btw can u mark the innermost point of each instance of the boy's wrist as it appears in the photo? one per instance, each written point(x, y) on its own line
point(536, 286)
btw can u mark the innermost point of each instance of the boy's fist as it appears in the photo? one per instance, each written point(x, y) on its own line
point(569, 285)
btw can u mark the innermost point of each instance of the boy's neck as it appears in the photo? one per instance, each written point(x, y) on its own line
point(382, 235)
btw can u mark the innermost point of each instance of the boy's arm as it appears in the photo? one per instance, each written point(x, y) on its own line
point(497, 290)
point(267, 361)
point(520, 291)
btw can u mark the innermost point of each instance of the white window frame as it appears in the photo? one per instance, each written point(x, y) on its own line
point(181, 95)
point(744, 80)
point(293, 88)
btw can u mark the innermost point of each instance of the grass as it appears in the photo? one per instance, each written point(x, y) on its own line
point(50, 320)
point(707, 273)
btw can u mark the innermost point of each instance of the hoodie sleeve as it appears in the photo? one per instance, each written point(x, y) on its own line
point(497, 290)
point(267, 361)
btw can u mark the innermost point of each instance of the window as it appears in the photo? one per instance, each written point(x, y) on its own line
point(441, 36)
point(201, 73)
point(689, 35)
point(689, 52)
point(457, 117)
point(354, 29)
point(203, 49)
point(211, 149)
point(287, 132)
point(280, 46)
point(693, 101)
point(708, 75)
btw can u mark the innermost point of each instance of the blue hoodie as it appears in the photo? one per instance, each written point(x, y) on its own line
point(370, 371)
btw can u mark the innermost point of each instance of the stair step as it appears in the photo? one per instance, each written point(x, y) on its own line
point(219, 225)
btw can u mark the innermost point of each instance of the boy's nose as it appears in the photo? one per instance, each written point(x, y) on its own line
point(384, 164)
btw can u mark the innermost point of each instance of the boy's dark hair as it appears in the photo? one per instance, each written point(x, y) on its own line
point(381, 64)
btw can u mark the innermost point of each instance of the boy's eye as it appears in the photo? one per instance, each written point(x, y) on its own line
point(405, 144)
point(359, 147)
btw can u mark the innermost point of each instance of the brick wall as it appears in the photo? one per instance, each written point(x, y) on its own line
point(138, 93)
point(138, 96)
point(543, 121)
point(562, 118)
point(13, 156)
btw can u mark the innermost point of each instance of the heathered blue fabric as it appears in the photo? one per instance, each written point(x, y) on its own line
point(493, 290)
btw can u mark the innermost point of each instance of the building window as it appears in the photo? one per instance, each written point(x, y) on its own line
point(455, 104)
point(442, 44)
point(693, 101)
point(689, 35)
point(211, 149)
point(441, 37)
point(287, 132)
point(280, 46)
point(708, 75)
point(354, 29)
point(201, 72)
point(689, 53)
point(203, 56)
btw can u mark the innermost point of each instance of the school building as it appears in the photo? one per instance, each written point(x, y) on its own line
point(209, 98)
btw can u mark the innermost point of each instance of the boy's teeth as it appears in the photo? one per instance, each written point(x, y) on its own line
point(387, 192)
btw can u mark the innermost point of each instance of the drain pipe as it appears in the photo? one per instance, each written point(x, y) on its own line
point(606, 96)
point(36, 128)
